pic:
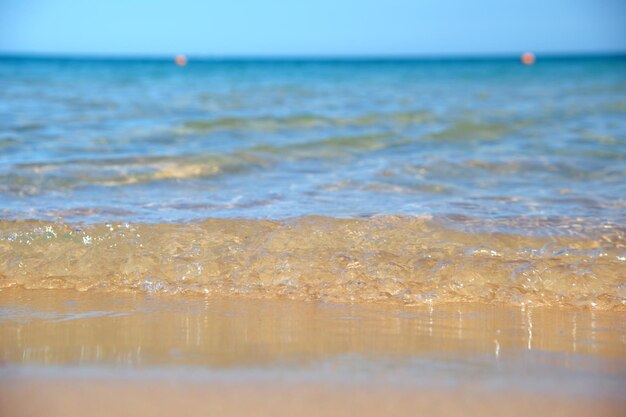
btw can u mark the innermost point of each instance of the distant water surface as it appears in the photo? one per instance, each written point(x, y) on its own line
point(98, 140)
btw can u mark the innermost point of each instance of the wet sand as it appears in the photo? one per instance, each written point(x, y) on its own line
point(86, 396)
point(66, 352)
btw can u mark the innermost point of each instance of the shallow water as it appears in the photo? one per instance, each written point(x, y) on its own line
point(390, 259)
point(148, 141)
point(400, 181)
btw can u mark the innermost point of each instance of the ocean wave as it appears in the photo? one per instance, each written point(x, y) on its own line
point(36, 178)
point(65, 175)
point(304, 121)
point(387, 259)
point(467, 131)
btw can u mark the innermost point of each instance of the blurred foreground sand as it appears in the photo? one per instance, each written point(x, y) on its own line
point(84, 397)
point(69, 353)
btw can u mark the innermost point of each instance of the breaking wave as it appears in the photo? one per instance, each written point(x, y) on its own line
point(391, 259)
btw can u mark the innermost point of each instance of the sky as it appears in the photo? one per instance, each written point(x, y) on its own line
point(311, 27)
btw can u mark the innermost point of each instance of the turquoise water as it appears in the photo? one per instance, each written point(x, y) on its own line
point(485, 140)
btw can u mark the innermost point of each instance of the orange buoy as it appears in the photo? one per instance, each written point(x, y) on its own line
point(181, 60)
point(528, 58)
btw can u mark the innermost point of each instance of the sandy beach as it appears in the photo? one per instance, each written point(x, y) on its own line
point(130, 354)
point(76, 396)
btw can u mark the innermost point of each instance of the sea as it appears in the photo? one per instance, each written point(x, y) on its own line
point(279, 237)
point(401, 181)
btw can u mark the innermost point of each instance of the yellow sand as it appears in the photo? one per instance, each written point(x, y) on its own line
point(113, 353)
point(106, 398)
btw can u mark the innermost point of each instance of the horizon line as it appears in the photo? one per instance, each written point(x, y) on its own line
point(309, 57)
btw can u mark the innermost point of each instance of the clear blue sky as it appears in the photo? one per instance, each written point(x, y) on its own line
point(311, 27)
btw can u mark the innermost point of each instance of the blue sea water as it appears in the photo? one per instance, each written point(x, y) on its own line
point(94, 140)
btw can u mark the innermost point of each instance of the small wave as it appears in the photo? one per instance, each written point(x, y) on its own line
point(389, 259)
point(332, 147)
point(304, 121)
point(8, 142)
point(28, 127)
point(471, 131)
point(37, 178)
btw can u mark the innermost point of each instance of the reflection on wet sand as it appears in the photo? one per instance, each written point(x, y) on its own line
point(68, 327)
point(145, 354)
